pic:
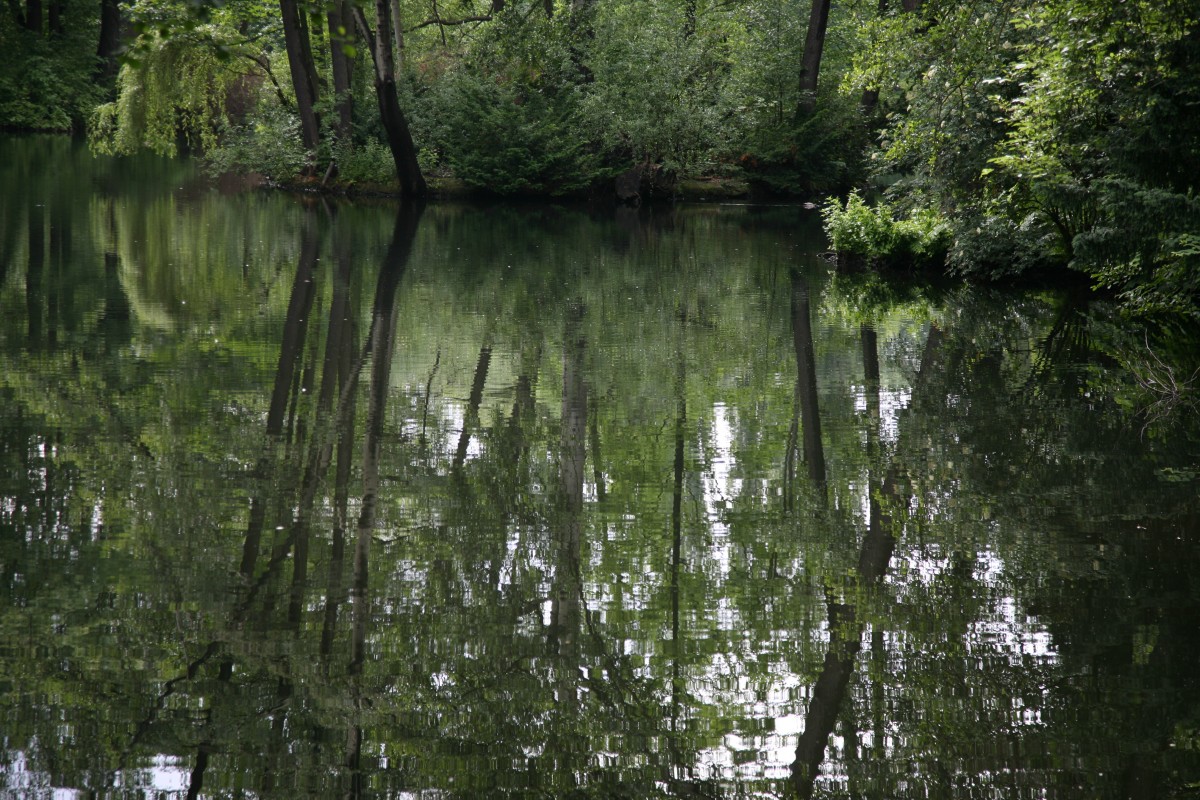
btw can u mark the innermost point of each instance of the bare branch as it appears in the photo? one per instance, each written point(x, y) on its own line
point(265, 65)
point(440, 22)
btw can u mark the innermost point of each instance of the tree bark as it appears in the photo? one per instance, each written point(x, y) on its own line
point(471, 419)
point(397, 37)
point(810, 62)
point(341, 35)
point(109, 45)
point(400, 142)
point(295, 330)
point(300, 64)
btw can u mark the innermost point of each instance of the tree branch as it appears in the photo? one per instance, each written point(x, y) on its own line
point(265, 65)
point(440, 22)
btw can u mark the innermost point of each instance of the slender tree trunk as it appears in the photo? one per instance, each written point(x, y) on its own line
point(567, 600)
point(295, 330)
point(381, 344)
point(300, 64)
point(594, 446)
point(870, 355)
point(845, 627)
point(341, 36)
point(806, 382)
point(109, 45)
point(34, 274)
point(18, 13)
point(339, 340)
point(677, 683)
point(400, 142)
point(471, 419)
point(810, 62)
point(870, 95)
point(56, 17)
point(397, 37)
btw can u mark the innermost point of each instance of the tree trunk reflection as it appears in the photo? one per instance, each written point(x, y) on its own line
point(845, 626)
point(380, 345)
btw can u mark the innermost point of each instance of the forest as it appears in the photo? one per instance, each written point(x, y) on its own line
point(989, 138)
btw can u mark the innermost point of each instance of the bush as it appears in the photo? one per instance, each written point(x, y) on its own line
point(268, 142)
point(369, 162)
point(860, 230)
point(819, 154)
point(511, 140)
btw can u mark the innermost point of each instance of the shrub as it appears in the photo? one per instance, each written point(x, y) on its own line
point(819, 154)
point(858, 229)
point(268, 142)
point(369, 162)
point(510, 140)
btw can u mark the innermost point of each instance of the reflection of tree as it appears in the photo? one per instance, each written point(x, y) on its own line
point(572, 454)
point(805, 408)
point(845, 625)
point(380, 343)
point(471, 418)
point(537, 644)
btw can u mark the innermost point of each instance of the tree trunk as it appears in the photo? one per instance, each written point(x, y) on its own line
point(295, 37)
point(56, 17)
point(341, 35)
point(400, 142)
point(109, 45)
point(810, 62)
point(397, 37)
point(471, 418)
point(33, 15)
point(295, 330)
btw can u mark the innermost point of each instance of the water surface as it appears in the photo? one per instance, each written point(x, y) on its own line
point(303, 498)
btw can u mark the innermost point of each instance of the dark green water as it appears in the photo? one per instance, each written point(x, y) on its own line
point(305, 500)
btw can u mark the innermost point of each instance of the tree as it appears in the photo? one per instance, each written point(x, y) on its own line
point(395, 124)
point(304, 72)
point(810, 61)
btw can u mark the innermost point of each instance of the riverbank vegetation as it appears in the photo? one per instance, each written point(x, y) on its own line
point(1017, 136)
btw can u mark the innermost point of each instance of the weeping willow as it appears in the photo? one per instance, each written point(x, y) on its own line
point(172, 95)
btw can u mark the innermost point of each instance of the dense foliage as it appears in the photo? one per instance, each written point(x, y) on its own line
point(1050, 135)
point(1031, 136)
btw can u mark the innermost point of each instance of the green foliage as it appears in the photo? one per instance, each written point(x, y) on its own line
point(819, 154)
point(510, 139)
point(173, 95)
point(46, 83)
point(941, 73)
point(1171, 289)
point(679, 113)
point(369, 162)
point(874, 232)
point(993, 246)
point(267, 141)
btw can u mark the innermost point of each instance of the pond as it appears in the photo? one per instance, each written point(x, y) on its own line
point(309, 498)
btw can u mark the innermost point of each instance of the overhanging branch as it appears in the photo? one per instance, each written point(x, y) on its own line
point(442, 22)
